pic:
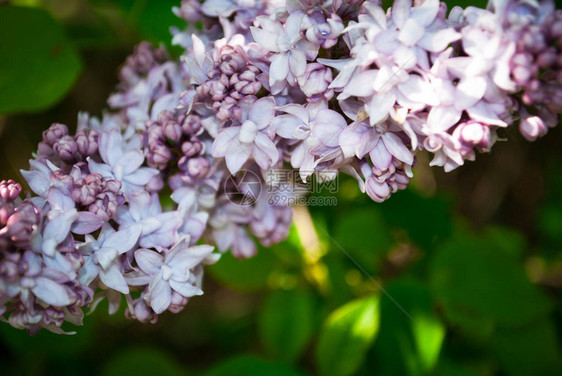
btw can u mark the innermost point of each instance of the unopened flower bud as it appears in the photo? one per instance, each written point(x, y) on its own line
point(87, 143)
point(55, 132)
point(9, 190)
point(191, 125)
point(532, 127)
point(65, 148)
point(172, 131)
point(191, 148)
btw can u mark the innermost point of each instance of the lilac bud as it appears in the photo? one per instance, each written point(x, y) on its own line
point(198, 167)
point(165, 116)
point(9, 270)
point(65, 148)
point(321, 31)
point(177, 303)
point(21, 224)
point(232, 59)
point(6, 209)
point(105, 206)
point(139, 310)
point(172, 131)
point(532, 127)
point(154, 135)
point(55, 132)
point(9, 190)
point(87, 143)
point(84, 195)
point(159, 155)
point(190, 10)
point(473, 133)
point(547, 58)
point(377, 190)
point(113, 186)
point(245, 83)
point(53, 316)
point(191, 148)
point(191, 125)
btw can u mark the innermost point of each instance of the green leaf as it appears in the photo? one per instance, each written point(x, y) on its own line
point(408, 343)
point(529, 350)
point(426, 220)
point(346, 336)
point(244, 275)
point(286, 322)
point(247, 365)
point(364, 234)
point(152, 18)
point(429, 333)
point(478, 281)
point(142, 361)
point(39, 65)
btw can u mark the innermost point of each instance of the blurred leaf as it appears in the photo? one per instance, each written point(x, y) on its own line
point(244, 275)
point(426, 220)
point(247, 365)
point(507, 240)
point(466, 3)
point(286, 322)
point(39, 65)
point(142, 361)
point(475, 279)
point(529, 350)
point(347, 334)
point(47, 343)
point(408, 343)
point(153, 18)
point(429, 333)
point(364, 234)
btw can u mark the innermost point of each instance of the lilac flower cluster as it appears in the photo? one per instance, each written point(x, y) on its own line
point(134, 203)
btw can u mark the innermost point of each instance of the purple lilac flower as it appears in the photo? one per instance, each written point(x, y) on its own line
point(251, 91)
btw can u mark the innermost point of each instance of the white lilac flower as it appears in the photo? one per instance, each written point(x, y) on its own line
point(158, 229)
point(121, 164)
point(250, 139)
point(101, 256)
point(170, 272)
point(289, 51)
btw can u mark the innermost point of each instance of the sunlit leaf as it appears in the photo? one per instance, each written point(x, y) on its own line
point(247, 365)
point(38, 64)
point(411, 335)
point(346, 336)
point(428, 334)
point(286, 322)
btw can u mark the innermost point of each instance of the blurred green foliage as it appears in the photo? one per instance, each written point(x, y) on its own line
point(408, 287)
point(38, 64)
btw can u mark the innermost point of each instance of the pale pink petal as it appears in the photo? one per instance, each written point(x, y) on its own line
point(51, 292)
point(113, 278)
point(441, 118)
point(396, 147)
point(148, 261)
